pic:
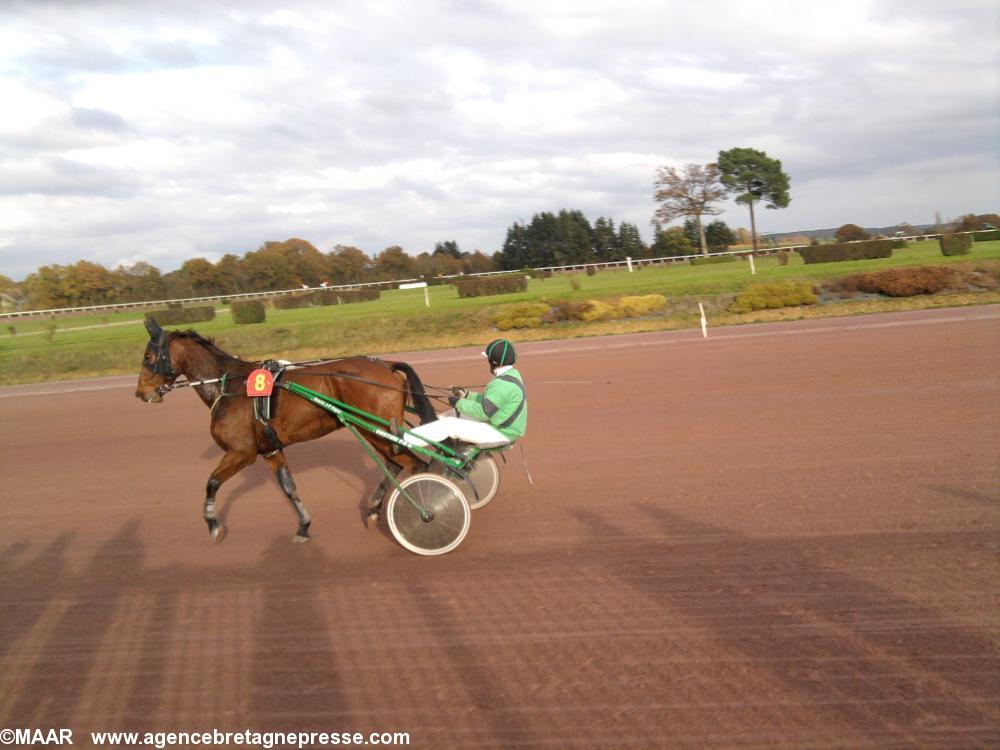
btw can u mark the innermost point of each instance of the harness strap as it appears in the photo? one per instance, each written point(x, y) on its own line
point(263, 409)
point(275, 442)
point(520, 407)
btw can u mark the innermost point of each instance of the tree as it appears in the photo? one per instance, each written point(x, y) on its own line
point(692, 231)
point(177, 285)
point(753, 176)
point(973, 223)
point(393, 263)
point(438, 264)
point(347, 264)
point(719, 235)
point(575, 243)
point(307, 264)
point(514, 253)
point(87, 283)
point(268, 269)
point(44, 288)
point(450, 247)
point(630, 244)
point(549, 240)
point(477, 262)
point(689, 193)
point(139, 282)
point(203, 275)
point(10, 294)
point(670, 243)
point(542, 240)
point(606, 240)
point(851, 232)
point(231, 277)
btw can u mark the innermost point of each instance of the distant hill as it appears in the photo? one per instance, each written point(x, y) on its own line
point(828, 234)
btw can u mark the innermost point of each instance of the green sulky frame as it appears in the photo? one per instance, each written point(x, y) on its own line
point(353, 418)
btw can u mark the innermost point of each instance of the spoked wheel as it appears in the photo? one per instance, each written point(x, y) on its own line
point(447, 520)
point(485, 478)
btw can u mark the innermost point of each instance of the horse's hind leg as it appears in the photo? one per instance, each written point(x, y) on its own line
point(374, 504)
point(231, 463)
point(281, 472)
point(396, 464)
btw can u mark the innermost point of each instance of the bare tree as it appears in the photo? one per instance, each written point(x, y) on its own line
point(689, 193)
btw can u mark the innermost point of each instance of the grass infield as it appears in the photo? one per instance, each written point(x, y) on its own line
point(112, 344)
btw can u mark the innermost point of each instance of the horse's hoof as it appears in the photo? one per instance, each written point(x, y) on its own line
point(218, 534)
point(299, 539)
point(371, 521)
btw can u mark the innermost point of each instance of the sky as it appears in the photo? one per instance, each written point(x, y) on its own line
point(160, 132)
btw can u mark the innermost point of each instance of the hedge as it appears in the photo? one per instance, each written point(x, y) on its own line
point(710, 259)
point(524, 315)
point(293, 301)
point(866, 250)
point(987, 235)
point(347, 296)
point(485, 286)
point(625, 307)
point(250, 311)
point(773, 295)
point(180, 315)
point(906, 282)
point(597, 310)
point(955, 244)
point(634, 307)
point(535, 314)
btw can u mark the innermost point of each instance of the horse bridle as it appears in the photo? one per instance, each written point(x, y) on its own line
point(162, 364)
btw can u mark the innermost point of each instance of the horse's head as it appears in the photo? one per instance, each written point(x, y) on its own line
point(157, 372)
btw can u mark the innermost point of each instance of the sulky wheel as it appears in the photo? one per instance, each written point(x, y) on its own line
point(484, 475)
point(448, 510)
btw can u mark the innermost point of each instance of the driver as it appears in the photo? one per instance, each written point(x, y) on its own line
point(497, 416)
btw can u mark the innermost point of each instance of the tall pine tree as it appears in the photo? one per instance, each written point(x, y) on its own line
point(606, 245)
point(630, 244)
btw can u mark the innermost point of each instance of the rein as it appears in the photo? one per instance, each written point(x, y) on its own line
point(225, 378)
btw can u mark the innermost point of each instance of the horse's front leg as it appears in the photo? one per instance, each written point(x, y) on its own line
point(231, 463)
point(284, 476)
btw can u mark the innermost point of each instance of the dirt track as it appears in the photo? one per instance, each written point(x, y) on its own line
point(783, 536)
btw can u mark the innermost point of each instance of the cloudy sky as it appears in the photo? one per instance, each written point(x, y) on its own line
point(158, 132)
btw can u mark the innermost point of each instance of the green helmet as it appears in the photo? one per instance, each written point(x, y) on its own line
point(500, 353)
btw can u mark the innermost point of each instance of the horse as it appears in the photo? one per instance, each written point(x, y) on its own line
point(376, 386)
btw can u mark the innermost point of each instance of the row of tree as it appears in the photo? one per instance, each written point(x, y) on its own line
point(273, 266)
point(567, 239)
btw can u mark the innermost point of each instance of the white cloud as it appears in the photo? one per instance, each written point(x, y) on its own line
point(206, 129)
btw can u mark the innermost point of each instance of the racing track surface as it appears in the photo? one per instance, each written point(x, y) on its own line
point(784, 536)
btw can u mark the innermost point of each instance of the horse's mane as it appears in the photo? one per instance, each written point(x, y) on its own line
point(207, 343)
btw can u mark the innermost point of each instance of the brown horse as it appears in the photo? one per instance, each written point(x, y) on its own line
point(371, 385)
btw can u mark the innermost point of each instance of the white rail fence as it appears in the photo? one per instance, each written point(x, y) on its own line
point(628, 263)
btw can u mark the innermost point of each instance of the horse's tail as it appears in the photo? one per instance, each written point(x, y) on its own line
point(415, 390)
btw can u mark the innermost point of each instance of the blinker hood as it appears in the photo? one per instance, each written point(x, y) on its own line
point(155, 332)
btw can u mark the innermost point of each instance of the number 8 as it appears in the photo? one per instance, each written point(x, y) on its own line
point(259, 383)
